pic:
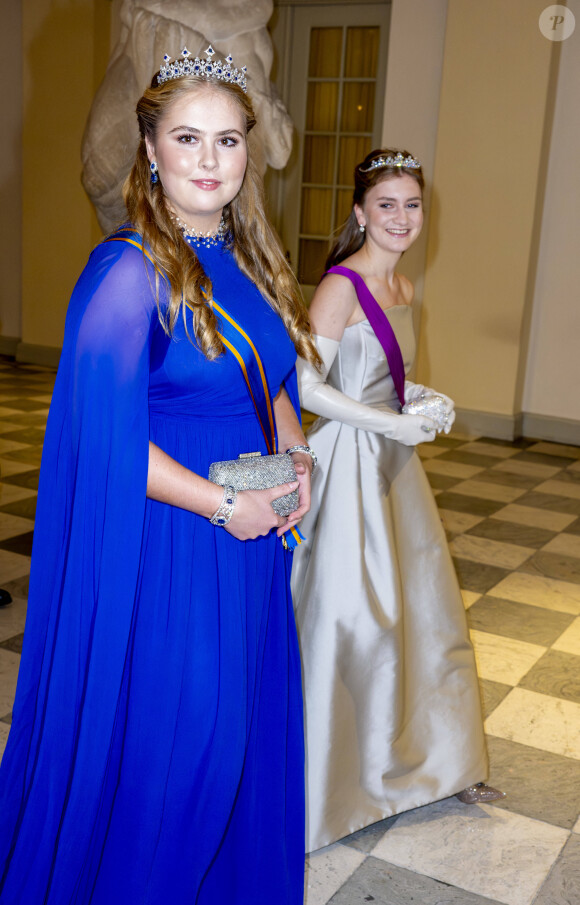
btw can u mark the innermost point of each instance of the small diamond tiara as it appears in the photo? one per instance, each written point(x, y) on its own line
point(410, 163)
point(183, 65)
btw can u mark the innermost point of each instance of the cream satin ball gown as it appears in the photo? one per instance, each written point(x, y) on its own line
point(392, 706)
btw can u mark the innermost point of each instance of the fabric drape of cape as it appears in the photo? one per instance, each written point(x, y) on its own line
point(89, 524)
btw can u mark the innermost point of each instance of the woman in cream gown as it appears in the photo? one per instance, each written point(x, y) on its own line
point(392, 707)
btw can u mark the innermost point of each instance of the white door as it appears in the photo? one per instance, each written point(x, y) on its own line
point(331, 72)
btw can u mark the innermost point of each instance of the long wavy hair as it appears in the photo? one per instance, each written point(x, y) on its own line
point(254, 243)
point(350, 238)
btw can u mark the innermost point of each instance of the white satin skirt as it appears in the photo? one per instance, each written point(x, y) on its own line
point(392, 706)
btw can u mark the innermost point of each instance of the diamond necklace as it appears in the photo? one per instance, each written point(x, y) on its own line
point(200, 238)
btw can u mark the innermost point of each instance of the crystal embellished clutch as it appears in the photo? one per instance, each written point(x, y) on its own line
point(253, 471)
point(434, 407)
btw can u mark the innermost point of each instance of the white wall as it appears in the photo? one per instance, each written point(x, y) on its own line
point(552, 381)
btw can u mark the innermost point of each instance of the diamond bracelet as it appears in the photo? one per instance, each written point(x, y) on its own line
point(224, 512)
point(305, 449)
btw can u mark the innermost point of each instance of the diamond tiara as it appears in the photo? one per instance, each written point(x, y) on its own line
point(183, 65)
point(410, 163)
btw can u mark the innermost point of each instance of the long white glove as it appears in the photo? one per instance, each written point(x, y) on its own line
point(414, 390)
point(321, 399)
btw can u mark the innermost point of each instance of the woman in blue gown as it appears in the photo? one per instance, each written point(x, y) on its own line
point(156, 750)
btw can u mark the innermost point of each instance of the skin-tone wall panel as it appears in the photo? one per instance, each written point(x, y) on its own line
point(61, 42)
point(415, 62)
point(490, 134)
point(552, 375)
point(10, 177)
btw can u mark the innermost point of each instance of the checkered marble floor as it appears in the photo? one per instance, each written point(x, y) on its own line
point(512, 514)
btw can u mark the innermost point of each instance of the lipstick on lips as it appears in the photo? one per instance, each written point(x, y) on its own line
point(208, 185)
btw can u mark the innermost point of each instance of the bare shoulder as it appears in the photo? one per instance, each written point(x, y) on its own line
point(335, 286)
point(332, 306)
point(406, 289)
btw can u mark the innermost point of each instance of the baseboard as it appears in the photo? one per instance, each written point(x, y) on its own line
point(487, 424)
point(467, 421)
point(31, 353)
point(9, 345)
point(524, 424)
point(547, 427)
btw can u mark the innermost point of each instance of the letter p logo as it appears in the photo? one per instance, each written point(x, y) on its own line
point(557, 22)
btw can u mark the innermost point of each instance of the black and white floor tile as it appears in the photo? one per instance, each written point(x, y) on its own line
point(512, 515)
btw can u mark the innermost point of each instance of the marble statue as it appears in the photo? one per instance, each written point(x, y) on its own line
point(148, 30)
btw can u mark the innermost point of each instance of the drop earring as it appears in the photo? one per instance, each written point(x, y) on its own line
point(361, 227)
point(154, 170)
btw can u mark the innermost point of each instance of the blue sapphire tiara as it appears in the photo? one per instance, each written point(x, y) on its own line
point(183, 65)
point(410, 163)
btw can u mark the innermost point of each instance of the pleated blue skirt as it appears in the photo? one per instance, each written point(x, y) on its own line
point(202, 798)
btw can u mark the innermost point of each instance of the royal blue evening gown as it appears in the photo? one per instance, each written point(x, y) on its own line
point(156, 751)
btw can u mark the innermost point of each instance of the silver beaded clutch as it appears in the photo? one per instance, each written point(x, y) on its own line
point(253, 471)
point(433, 407)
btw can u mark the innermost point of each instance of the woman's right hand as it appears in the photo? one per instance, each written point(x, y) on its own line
point(253, 514)
point(411, 430)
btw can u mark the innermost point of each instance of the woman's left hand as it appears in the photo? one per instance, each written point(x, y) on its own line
point(290, 434)
point(415, 390)
point(449, 409)
point(303, 465)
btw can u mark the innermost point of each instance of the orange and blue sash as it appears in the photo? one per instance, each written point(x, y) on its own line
point(240, 344)
point(235, 338)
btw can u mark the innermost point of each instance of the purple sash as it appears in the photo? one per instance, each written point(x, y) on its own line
point(380, 324)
